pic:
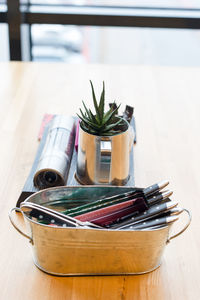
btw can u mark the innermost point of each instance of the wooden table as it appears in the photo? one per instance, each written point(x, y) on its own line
point(167, 111)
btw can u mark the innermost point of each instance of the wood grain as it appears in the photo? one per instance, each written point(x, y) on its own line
point(167, 108)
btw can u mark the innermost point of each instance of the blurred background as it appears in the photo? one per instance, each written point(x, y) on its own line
point(151, 32)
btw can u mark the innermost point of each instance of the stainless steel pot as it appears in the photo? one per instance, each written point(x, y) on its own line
point(104, 159)
point(80, 251)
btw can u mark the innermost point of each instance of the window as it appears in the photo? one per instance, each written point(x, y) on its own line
point(110, 31)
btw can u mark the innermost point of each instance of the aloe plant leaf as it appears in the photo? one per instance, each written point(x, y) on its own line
point(110, 114)
point(106, 115)
point(87, 111)
point(93, 125)
point(89, 123)
point(98, 116)
point(85, 128)
point(114, 106)
point(110, 132)
point(92, 117)
point(83, 115)
point(88, 119)
point(111, 126)
point(82, 118)
point(102, 102)
point(88, 129)
point(112, 110)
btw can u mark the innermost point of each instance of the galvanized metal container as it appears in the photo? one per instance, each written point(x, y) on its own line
point(80, 251)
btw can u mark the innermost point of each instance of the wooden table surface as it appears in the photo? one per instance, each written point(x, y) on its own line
point(167, 112)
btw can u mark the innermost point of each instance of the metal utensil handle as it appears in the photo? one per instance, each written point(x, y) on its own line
point(56, 214)
point(15, 226)
point(184, 228)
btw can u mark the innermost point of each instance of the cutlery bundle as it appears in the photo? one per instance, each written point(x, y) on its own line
point(138, 209)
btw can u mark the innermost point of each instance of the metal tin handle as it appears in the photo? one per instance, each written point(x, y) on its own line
point(184, 228)
point(15, 226)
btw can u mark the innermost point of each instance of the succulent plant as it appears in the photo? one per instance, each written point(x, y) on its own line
point(101, 123)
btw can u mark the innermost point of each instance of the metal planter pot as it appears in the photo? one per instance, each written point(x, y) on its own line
point(80, 251)
point(104, 160)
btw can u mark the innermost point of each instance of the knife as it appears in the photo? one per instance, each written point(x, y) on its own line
point(155, 222)
point(129, 216)
point(153, 211)
point(48, 215)
point(156, 187)
point(158, 197)
point(172, 212)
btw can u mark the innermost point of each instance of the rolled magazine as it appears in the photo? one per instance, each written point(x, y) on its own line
point(54, 162)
